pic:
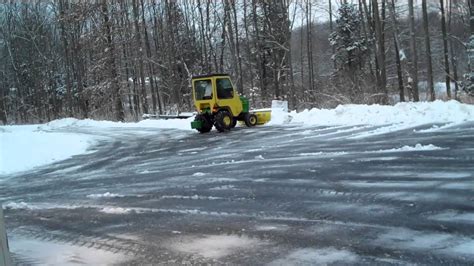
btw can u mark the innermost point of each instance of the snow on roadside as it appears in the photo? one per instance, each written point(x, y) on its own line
point(25, 147)
point(183, 124)
point(406, 113)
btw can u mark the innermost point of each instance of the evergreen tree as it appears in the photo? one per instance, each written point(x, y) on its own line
point(349, 47)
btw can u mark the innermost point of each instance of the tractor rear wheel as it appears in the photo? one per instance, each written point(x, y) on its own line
point(234, 123)
point(206, 124)
point(223, 121)
point(250, 120)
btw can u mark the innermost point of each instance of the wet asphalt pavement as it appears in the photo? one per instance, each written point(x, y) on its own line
point(266, 195)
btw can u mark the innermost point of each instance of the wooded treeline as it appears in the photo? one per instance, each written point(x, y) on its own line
point(120, 59)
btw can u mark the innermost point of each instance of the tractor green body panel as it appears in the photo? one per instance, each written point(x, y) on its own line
point(245, 104)
point(196, 124)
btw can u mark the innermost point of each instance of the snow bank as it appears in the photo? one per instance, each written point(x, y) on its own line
point(183, 124)
point(25, 147)
point(407, 113)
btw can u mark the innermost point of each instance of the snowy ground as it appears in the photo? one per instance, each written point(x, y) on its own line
point(305, 190)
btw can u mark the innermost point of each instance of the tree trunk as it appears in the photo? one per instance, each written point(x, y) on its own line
point(414, 56)
point(396, 44)
point(67, 58)
point(258, 48)
point(309, 44)
point(151, 68)
point(237, 50)
point(203, 38)
point(247, 46)
point(452, 54)
point(119, 115)
point(140, 57)
point(428, 51)
point(380, 53)
point(331, 28)
point(445, 49)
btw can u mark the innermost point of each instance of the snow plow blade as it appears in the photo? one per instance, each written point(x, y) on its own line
point(178, 116)
point(263, 116)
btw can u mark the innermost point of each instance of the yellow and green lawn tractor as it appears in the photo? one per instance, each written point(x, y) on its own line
point(219, 105)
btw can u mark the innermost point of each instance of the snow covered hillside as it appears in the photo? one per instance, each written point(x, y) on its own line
point(25, 147)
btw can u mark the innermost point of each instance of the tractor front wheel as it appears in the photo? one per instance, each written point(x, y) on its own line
point(206, 125)
point(250, 120)
point(223, 121)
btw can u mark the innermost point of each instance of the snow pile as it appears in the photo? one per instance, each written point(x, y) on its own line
point(406, 113)
point(25, 147)
point(183, 124)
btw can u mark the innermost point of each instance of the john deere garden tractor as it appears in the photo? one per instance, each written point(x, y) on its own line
point(219, 105)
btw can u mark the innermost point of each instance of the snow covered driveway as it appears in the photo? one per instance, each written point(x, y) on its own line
point(268, 195)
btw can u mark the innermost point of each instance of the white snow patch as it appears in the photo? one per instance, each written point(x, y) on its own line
point(48, 253)
point(224, 187)
point(272, 227)
point(115, 210)
point(105, 195)
point(199, 174)
point(25, 147)
point(16, 206)
point(436, 128)
point(466, 248)
point(323, 154)
point(194, 197)
point(408, 239)
point(311, 256)
point(221, 179)
point(386, 158)
point(417, 147)
point(36, 206)
point(454, 216)
point(215, 246)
